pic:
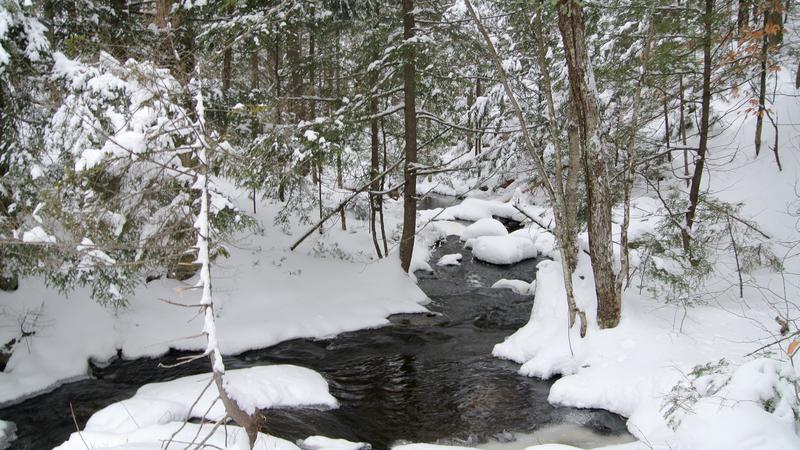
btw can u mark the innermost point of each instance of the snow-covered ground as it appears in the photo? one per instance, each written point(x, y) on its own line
point(263, 293)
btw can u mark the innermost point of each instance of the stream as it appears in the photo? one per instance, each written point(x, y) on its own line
point(423, 378)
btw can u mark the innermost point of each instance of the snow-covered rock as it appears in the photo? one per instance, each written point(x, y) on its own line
point(253, 388)
point(484, 227)
point(518, 286)
point(453, 259)
point(503, 249)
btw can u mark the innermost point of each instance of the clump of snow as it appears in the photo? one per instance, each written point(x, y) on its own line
point(37, 235)
point(453, 259)
point(326, 443)
point(484, 227)
point(253, 388)
point(518, 286)
point(503, 249)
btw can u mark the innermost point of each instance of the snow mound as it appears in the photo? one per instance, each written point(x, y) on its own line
point(253, 388)
point(484, 227)
point(153, 438)
point(518, 286)
point(503, 249)
point(452, 259)
point(326, 443)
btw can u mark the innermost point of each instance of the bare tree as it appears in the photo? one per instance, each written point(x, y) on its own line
point(587, 117)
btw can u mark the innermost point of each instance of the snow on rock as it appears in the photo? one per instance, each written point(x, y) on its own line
point(518, 286)
point(503, 249)
point(484, 227)
point(452, 259)
point(253, 388)
point(8, 432)
point(326, 443)
point(153, 438)
point(448, 227)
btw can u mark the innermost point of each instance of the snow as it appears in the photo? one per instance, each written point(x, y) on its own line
point(153, 438)
point(452, 259)
point(264, 387)
point(484, 227)
point(7, 434)
point(474, 209)
point(326, 443)
point(503, 249)
point(263, 294)
point(38, 235)
point(518, 286)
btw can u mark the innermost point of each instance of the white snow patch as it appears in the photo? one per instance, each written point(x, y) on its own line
point(518, 286)
point(484, 227)
point(453, 259)
point(326, 443)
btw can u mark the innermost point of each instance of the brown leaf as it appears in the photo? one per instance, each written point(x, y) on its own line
point(793, 347)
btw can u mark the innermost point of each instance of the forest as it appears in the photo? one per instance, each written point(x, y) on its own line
point(410, 225)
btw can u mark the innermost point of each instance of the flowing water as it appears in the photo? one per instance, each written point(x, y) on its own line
point(424, 378)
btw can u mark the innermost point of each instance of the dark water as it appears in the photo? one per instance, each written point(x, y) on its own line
point(424, 378)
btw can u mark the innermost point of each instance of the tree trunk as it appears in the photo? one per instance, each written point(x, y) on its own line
point(762, 86)
point(743, 16)
point(374, 199)
point(697, 176)
point(584, 99)
point(410, 133)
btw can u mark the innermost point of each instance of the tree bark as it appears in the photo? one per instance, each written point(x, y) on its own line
point(762, 86)
point(585, 107)
point(702, 147)
point(410, 133)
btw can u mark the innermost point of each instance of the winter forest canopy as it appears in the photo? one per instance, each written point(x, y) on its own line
point(208, 178)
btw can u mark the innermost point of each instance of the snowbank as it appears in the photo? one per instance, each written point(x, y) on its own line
point(153, 438)
point(264, 294)
point(253, 388)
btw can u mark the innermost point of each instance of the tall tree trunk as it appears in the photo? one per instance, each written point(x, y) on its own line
point(584, 98)
point(382, 186)
point(702, 147)
point(410, 134)
point(762, 86)
point(682, 132)
point(374, 199)
point(743, 15)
